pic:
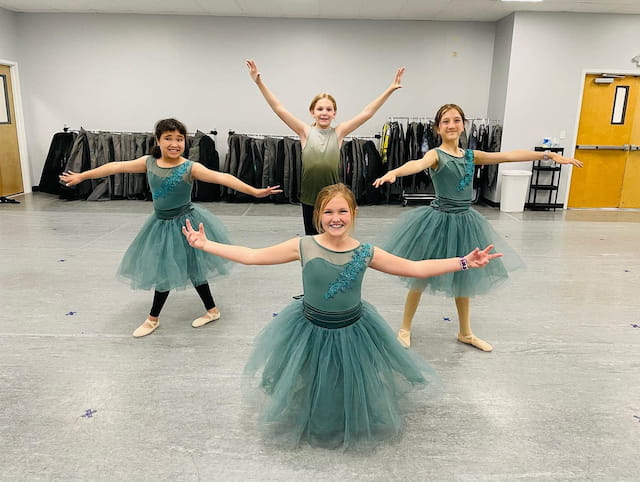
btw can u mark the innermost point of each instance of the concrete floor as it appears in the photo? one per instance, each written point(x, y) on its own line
point(558, 399)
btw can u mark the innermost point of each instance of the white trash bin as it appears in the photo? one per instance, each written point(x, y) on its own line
point(514, 190)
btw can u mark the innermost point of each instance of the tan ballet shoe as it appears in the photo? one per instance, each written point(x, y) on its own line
point(404, 337)
point(207, 318)
point(146, 328)
point(475, 341)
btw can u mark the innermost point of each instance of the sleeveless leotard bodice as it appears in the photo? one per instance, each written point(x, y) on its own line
point(452, 181)
point(170, 187)
point(320, 162)
point(332, 280)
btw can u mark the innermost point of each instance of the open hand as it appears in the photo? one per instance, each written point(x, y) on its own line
point(388, 177)
point(70, 178)
point(564, 160)
point(197, 239)
point(397, 81)
point(479, 258)
point(253, 70)
point(267, 191)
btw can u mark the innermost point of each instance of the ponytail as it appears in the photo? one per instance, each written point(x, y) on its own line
point(155, 152)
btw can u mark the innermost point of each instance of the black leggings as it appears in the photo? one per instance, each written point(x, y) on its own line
point(307, 216)
point(159, 297)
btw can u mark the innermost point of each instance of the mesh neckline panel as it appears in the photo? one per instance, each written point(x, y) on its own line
point(310, 249)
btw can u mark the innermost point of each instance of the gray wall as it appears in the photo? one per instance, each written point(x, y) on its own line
point(500, 70)
point(8, 35)
point(549, 56)
point(123, 72)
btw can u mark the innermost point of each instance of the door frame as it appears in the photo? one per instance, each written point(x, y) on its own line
point(25, 165)
point(586, 72)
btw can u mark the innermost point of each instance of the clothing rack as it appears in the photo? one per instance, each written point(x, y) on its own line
point(409, 118)
point(375, 136)
point(66, 129)
point(430, 118)
point(262, 135)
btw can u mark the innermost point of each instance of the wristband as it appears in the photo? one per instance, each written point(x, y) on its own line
point(463, 264)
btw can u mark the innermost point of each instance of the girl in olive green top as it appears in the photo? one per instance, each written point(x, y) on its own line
point(320, 142)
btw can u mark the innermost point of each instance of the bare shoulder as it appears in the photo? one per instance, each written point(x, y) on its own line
point(430, 159)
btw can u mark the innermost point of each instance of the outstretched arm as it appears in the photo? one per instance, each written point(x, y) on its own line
point(481, 157)
point(347, 127)
point(295, 124)
point(430, 159)
point(70, 178)
point(277, 254)
point(201, 173)
point(391, 264)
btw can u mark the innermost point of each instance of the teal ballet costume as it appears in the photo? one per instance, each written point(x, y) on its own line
point(160, 257)
point(330, 365)
point(447, 228)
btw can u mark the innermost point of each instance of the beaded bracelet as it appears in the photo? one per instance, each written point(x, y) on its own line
point(463, 263)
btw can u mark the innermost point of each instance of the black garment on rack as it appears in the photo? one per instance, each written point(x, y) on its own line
point(231, 160)
point(56, 160)
point(273, 166)
point(262, 162)
point(203, 150)
point(100, 153)
point(396, 151)
point(360, 165)
point(246, 171)
point(257, 153)
point(235, 160)
point(292, 168)
point(415, 134)
point(345, 165)
point(372, 170)
point(79, 160)
point(416, 183)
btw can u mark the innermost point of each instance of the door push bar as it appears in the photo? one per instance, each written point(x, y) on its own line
point(624, 147)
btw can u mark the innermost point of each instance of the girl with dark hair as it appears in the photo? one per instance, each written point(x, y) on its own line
point(159, 257)
point(329, 363)
point(448, 226)
point(319, 141)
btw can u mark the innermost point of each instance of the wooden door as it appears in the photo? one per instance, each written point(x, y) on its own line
point(10, 172)
point(630, 197)
point(610, 177)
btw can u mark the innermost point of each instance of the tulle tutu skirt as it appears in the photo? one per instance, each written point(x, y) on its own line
point(427, 233)
point(333, 388)
point(160, 257)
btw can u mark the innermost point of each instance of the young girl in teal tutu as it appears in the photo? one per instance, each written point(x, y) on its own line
point(159, 257)
point(330, 364)
point(448, 226)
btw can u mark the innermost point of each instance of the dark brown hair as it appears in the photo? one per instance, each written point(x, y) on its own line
point(166, 125)
point(441, 112)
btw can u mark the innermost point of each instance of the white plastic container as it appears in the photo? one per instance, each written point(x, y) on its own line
point(514, 190)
